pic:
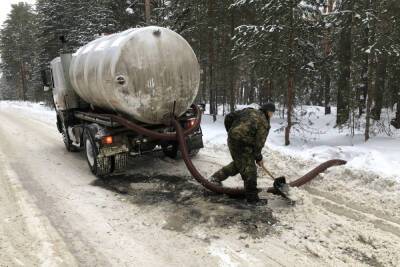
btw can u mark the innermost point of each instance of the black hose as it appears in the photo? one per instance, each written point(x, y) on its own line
point(194, 172)
point(180, 137)
point(156, 135)
point(240, 191)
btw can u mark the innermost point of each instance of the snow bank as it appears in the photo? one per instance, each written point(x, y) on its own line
point(37, 110)
point(316, 138)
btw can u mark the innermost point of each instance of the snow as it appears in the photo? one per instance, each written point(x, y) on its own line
point(311, 64)
point(346, 217)
point(39, 110)
point(380, 154)
point(317, 142)
point(129, 11)
point(321, 141)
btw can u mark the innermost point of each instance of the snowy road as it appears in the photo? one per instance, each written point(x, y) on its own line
point(55, 213)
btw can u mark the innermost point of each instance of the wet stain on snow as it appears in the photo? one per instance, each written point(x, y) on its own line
point(187, 205)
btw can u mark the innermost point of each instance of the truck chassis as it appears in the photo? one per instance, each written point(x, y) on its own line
point(108, 144)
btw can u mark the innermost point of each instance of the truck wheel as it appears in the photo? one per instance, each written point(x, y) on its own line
point(100, 166)
point(67, 141)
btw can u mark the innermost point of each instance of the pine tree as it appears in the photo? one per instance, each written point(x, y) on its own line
point(280, 44)
point(16, 41)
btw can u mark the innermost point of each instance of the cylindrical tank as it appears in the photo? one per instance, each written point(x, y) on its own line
point(139, 72)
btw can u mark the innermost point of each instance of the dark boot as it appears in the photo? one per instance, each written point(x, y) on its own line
point(250, 186)
point(254, 199)
point(218, 177)
point(215, 180)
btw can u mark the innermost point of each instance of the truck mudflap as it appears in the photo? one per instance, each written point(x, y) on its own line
point(120, 161)
point(113, 150)
point(195, 141)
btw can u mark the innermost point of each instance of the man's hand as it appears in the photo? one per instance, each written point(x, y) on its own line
point(260, 163)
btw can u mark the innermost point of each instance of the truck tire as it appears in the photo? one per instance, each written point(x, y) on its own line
point(99, 166)
point(67, 141)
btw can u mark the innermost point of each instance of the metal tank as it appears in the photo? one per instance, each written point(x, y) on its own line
point(139, 72)
point(63, 94)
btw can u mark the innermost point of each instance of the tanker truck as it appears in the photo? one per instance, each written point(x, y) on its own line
point(139, 77)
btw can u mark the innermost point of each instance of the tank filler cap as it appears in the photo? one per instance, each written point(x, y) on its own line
point(157, 32)
point(120, 79)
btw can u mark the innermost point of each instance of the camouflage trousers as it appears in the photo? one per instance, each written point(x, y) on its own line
point(243, 163)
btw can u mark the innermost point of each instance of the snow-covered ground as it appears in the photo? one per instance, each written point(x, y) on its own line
point(38, 110)
point(317, 139)
point(348, 216)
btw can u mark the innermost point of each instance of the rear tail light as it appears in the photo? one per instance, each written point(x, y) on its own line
point(107, 140)
point(190, 123)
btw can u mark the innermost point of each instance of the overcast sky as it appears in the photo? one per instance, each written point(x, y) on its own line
point(5, 7)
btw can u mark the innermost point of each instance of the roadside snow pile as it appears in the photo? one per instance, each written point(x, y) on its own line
point(37, 110)
point(316, 138)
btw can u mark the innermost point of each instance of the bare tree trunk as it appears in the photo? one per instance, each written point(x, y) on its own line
point(344, 56)
point(379, 87)
point(251, 88)
point(268, 90)
point(246, 91)
point(262, 91)
point(23, 81)
point(204, 84)
point(290, 98)
point(327, 94)
point(203, 64)
point(290, 94)
point(363, 91)
point(395, 89)
point(327, 52)
point(371, 85)
point(241, 92)
point(211, 57)
point(147, 11)
point(232, 95)
point(371, 80)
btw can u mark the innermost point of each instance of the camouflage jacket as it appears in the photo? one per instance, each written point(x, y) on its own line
point(249, 127)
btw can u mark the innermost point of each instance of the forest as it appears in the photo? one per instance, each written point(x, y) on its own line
point(330, 53)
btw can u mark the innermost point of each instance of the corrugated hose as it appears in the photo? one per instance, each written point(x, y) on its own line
point(180, 136)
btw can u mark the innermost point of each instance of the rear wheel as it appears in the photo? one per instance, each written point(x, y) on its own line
point(100, 166)
point(67, 141)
